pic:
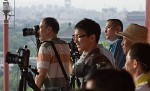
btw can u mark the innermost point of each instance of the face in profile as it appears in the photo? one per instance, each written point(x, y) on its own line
point(129, 65)
point(43, 31)
point(126, 44)
point(110, 31)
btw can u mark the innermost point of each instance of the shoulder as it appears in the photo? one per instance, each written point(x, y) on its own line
point(59, 41)
point(45, 44)
point(55, 41)
point(143, 87)
point(100, 60)
point(106, 52)
point(117, 41)
point(99, 57)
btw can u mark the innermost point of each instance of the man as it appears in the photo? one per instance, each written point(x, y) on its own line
point(138, 65)
point(112, 26)
point(47, 64)
point(86, 36)
point(134, 33)
point(110, 80)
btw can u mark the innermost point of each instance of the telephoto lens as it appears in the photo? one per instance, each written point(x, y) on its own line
point(31, 31)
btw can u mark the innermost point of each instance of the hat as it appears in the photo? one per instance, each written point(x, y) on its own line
point(135, 33)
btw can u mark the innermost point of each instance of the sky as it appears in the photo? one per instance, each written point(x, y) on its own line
point(130, 5)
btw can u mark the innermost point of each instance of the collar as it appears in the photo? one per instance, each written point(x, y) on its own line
point(93, 51)
point(141, 79)
point(53, 39)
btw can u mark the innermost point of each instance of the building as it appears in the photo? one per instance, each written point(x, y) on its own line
point(138, 17)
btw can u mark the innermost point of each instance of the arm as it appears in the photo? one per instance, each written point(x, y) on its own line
point(39, 79)
point(78, 68)
point(43, 63)
point(70, 66)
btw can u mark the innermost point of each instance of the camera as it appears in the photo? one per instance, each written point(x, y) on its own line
point(75, 54)
point(31, 31)
point(22, 57)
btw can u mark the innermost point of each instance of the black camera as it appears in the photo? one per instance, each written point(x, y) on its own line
point(22, 57)
point(75, 54)
point(31, 31)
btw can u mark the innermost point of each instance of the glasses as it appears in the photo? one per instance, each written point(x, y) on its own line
point(78, 36)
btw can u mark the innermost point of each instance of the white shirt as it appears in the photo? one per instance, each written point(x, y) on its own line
point(107, 53)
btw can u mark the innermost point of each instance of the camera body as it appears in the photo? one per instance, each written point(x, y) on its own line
point(31, 31)
point(21, 58)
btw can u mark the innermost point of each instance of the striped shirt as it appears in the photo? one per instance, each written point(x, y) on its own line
point(48, 60)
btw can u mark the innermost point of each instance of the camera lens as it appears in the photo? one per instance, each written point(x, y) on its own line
point(28, 31)
point(11, 58)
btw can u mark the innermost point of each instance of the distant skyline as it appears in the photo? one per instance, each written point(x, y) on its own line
point(130, 5)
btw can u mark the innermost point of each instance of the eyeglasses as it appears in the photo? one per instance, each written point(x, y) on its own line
point(78, 36)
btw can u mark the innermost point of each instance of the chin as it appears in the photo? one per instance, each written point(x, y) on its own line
point(125, 52)
point(40, 39)
point(106, 37)
point(79, 49)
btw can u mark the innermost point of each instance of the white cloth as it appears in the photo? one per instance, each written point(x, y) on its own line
point(142, 86)
point(107, 53)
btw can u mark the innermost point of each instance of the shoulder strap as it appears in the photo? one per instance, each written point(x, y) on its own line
point(59, 60)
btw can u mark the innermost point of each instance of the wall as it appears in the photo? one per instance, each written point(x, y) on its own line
point(148, 18)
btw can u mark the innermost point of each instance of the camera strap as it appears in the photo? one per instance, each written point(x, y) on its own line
point(59, 60)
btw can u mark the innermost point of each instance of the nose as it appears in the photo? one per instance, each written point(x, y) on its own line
point(122, 43)
point(75, 40)
point(123, 67)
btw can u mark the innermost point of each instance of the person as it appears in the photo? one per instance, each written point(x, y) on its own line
point(107, 53)
point(110, 80)
point(134, 33)
point(138, 65)
point(112, 26)
point(86, 37)
point(47, 63)
point(88, 90)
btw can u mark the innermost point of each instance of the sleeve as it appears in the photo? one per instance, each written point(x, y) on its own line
point(44, 57)
point(79, 67)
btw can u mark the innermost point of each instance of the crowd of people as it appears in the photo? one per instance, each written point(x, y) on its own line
point(125, 66)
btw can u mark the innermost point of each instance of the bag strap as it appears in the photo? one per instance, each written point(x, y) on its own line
point(59, 60)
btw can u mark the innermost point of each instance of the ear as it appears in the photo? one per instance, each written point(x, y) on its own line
point(49, 29)
point(118, 29)
point(92, 37)
point(135, 63)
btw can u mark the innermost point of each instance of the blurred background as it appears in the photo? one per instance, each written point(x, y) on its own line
point(27, 13)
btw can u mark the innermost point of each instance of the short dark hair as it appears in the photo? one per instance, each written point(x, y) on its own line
point(111, 80)
point(117, 22)
point(141, 52)
point(51, 22)
point(90, 27)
